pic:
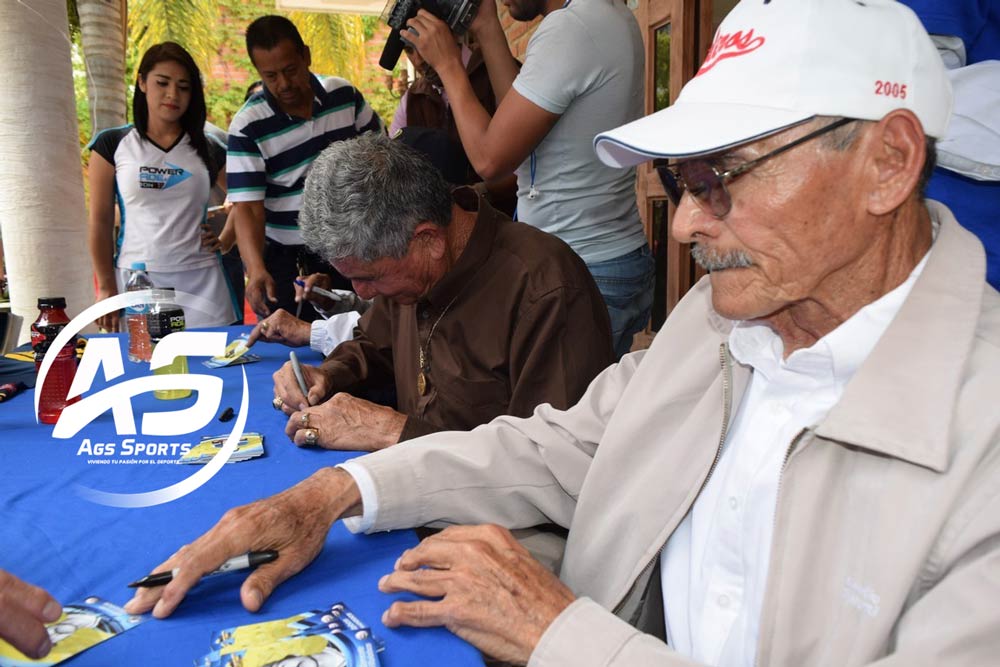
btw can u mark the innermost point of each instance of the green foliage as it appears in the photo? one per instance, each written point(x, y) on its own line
point(213, 32)
point(336, 42)
point(382, 89)
point(370, 24)
point(190, 23)
point(224, 98)
point(80, 97)
point(74, 19)
point(661, 68)
point(223, 102)
point(377, 86)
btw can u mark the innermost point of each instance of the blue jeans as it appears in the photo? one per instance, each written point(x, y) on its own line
point(626, 283)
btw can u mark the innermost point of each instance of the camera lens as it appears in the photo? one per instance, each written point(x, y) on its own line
point(458, 14)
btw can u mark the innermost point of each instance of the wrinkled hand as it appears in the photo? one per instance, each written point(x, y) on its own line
point(108, 322)
point(24, 610)
point(493, 593)
point(347, 423)
point(260, 290)
point(281, 327)
point(286, 387)
point(294, 522)
point(348, 301)
point(434, 41)
point(209, 241)
point(305, 291)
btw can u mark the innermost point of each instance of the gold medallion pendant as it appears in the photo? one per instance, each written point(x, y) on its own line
point(421, 383)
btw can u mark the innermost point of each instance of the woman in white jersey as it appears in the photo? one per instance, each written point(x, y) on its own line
point(159, 172)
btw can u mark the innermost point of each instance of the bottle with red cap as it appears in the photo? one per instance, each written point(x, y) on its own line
point(52, 319)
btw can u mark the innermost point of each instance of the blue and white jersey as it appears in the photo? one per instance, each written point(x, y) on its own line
point(162, 194)
point(270, 152)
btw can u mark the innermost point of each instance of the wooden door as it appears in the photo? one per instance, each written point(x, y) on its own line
point(675, 41)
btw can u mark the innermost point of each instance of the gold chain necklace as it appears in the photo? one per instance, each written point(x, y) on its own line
point(422, 359)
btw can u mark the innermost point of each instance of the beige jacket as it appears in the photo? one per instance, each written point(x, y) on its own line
point(887, 530)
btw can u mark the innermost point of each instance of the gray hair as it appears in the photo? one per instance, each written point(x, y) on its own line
point(843, 138)
point(718, 260)
point(364, 197)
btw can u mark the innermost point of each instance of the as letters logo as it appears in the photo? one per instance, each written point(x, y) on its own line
point(105, 354)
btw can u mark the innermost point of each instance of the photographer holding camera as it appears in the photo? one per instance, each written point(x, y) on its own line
point(582, 74)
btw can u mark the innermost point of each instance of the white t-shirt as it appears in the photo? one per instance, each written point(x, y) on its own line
point(162, 194)
point(584, 62)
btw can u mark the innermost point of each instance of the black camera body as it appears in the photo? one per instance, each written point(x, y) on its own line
point(458, 14)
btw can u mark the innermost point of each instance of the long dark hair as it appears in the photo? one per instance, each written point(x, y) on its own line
point(193, 120)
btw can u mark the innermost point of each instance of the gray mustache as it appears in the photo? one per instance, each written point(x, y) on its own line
point(713, 260)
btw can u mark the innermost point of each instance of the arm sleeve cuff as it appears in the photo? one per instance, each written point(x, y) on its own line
point(318, 338)
point(369, 499)
point(246, 195)
point(586, 634)
point(583, 634)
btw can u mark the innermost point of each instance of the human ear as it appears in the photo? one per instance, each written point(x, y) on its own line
point(898, 148)
point(432, 237)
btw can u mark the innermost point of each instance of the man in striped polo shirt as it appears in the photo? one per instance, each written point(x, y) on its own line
point(273, 140)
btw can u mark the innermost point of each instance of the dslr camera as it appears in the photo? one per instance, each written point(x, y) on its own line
point(458, 14)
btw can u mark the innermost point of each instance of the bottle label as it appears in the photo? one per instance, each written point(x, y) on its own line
point(164, 323)
point(43, 336)
point(137, 309)
point(137, 306)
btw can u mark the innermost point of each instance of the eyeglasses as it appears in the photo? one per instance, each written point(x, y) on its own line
point(707, 184)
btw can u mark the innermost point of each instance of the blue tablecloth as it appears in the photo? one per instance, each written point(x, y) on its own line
point(52, 537)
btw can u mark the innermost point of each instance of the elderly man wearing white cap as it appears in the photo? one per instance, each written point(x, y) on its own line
point(804, 468)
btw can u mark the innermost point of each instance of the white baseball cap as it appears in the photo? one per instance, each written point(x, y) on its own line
point(776, 63)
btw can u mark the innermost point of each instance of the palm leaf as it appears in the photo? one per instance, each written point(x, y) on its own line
point(194, 24)
point(336, 42)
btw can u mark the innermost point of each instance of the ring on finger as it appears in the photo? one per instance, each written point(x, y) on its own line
point(277, 402)
point(304, 419)
point(311, 436)
point(264, 325)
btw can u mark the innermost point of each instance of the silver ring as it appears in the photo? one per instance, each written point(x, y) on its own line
point(277, 402)
point(311, 437)
point(304, 419)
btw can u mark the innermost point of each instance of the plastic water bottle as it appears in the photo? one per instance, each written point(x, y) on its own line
point(51, 320)
point(165, 318)
point(139, 346)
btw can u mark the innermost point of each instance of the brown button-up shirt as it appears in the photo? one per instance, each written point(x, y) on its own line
point(519, 322)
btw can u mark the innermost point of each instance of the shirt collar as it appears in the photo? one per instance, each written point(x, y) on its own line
point(477, 249)
point(317, 88)
point(901, 402)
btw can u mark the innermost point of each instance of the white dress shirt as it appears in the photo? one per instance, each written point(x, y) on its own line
point(326, 334)
point(714, 566)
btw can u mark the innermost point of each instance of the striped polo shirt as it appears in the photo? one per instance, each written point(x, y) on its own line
point(270, 151)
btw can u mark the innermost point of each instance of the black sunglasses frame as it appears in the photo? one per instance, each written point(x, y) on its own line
point(675, 186)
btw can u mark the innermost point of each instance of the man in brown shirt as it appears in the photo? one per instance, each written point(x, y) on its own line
point(475, 315)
